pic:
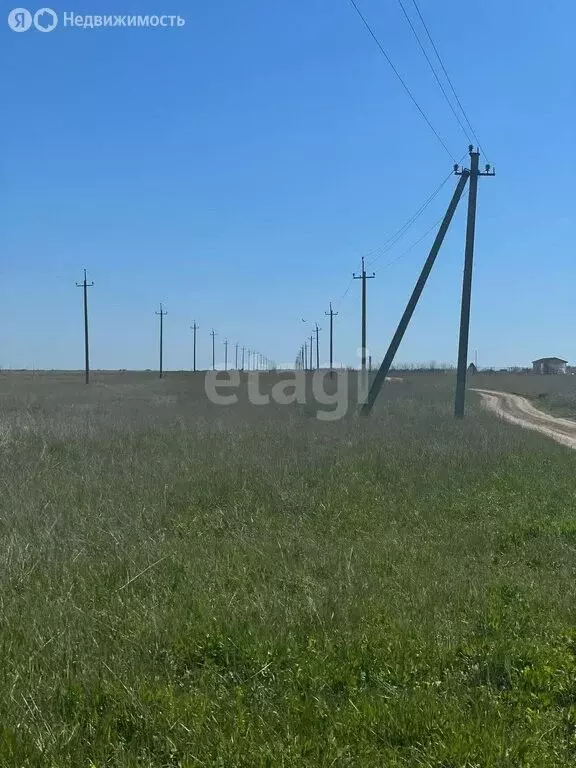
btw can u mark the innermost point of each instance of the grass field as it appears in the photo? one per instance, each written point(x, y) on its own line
point(183, 584)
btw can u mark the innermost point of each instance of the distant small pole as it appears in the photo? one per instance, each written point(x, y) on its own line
point(225, 354)
point(311, 352)
point(213, 334)
point(243, 352)
point(332, 315)
point(236, 366)
point(161, 315)
point(194, 328)
point(85, 285)
point(363, 276)
point(305, 355)
point(317, 331)
point(370, 363)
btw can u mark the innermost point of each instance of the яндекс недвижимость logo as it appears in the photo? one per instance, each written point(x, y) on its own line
point(46, 19)
point(21, 19)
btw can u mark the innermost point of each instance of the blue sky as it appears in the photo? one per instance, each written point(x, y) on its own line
point(237, 168)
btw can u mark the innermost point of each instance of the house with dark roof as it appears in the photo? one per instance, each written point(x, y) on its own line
point(549, 365)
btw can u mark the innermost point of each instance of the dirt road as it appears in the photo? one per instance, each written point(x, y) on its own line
point(519, 410)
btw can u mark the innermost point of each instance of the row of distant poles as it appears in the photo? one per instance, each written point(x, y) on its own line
point(305, 357)
point(304, 360)
point(245, 359)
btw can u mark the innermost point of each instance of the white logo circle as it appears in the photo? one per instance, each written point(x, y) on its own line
point(45, 20)
point(20, 20)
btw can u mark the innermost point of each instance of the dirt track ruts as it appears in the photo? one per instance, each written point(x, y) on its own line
point(519, 410)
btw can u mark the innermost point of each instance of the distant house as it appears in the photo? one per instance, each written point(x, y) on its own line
point(472, 368)
point(549, 365)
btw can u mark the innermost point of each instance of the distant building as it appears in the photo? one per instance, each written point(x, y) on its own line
point(472, 368)
point(549, 365)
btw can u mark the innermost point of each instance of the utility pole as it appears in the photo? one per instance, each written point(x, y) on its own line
point(317, 330)
point(380, 377)
point(332, 315)
point(364, 277)
point(225, 354)
point(236, 366)
point(305, 355)
point(243, 352)
point(194, 328)
point(85, 285)
point(161, 315)
point(475, 173)
point(213, 334)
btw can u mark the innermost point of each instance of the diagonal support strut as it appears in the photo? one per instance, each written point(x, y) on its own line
point(416, 293)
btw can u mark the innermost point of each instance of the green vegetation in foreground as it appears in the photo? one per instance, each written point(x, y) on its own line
point(192, 586)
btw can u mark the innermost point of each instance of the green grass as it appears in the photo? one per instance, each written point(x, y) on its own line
point(187, 585)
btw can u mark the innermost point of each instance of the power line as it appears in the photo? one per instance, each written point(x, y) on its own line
point(414, 244)
point(391, 242)
point(400, 78)
point(433, 70)
point(447, 76)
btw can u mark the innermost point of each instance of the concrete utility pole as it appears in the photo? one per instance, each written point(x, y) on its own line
point(317, 331)
point(243, 352)
point(305, 355)
point(194, 328)
point(213, 334)
point(236, 366)
point(161, 315)
point(475, 173)
point(363, 276)
point(380, 377)
point(332, 315)
point(225, 354)
point(85, 285)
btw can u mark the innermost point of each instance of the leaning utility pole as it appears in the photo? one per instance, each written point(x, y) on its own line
point(225, 354)
point(317, 330)
point(194, 328)
point(363, 276)
point(161, 314)
point(380, 377)
point(213, 334)
point(332, 315)
point(85, 285)
point(475, 173)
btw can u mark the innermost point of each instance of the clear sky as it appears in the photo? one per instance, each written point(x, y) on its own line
point(237, 168)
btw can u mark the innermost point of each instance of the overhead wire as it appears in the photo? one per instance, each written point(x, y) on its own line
point(399, 234)
point(400, 78)
point(433, 70)
point(448, 78)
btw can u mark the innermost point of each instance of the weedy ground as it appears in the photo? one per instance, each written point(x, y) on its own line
point(189, 585)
